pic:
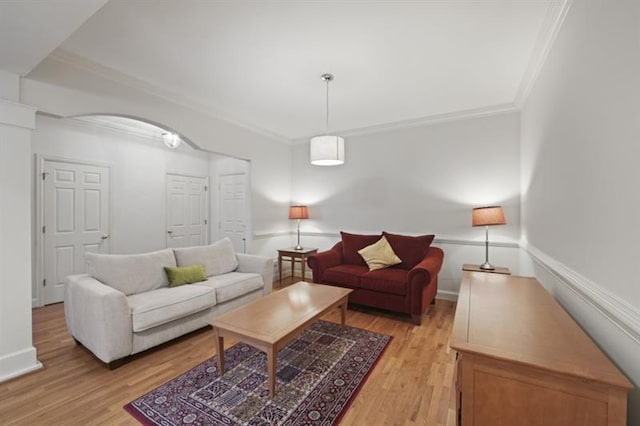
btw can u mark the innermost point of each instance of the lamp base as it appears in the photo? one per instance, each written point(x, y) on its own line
point(487, 266)
point(298, 247)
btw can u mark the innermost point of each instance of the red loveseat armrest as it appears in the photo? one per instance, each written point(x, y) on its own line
point(423, 282)
point(321, 261)
point(428, 267)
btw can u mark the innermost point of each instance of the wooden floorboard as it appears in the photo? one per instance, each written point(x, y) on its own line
point(411, 384)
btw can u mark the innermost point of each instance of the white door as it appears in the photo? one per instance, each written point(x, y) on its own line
point(186, 211)
point(233, 209)
point(75, 220)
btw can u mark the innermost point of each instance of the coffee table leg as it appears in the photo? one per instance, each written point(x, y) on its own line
point(344, 310)
point(220, 349)
point(293, 269)
point(271, 365)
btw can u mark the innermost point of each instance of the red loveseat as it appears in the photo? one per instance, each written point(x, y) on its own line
point(408, 287)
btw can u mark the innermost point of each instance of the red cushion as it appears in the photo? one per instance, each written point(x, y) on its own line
point(344, 275)
point(351, 243)
point(388, 280)
point(411, 250)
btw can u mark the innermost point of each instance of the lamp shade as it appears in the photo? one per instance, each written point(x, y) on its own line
point(493, 215)
point(327, 150)
point(298, 212)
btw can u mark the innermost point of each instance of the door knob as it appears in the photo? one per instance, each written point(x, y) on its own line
point(104, 236)
point(169, 231)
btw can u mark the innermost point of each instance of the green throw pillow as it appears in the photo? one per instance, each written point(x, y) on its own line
point(180, 275)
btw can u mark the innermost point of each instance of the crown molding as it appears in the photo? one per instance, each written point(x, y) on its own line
point(17, 114)
point(138, 137)
point(431, 120)
point(555, 16)
point(87, 122)
point(79, 62)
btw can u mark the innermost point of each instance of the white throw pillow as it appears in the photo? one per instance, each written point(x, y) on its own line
point(131, 273)
point(217, 258)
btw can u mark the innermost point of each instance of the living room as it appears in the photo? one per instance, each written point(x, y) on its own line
point(561, 155)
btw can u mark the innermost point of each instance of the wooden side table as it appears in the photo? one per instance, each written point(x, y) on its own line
point(296, 256)
point(476, 268)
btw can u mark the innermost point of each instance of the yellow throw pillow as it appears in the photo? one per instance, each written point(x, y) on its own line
point(379, 255)
point(180, 275)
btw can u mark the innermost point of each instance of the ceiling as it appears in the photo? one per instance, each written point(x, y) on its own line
point(259, 63)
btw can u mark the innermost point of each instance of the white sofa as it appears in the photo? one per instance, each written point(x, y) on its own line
point(124, 304)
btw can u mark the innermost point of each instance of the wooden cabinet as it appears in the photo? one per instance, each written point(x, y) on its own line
point(522, 360)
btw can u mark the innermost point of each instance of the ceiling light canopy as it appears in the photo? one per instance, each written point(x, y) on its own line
point(171, 139)
point(327, 150)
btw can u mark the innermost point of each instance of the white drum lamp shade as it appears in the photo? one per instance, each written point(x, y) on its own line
point(327, 150)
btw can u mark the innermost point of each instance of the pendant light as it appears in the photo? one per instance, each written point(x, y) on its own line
point(327, 150)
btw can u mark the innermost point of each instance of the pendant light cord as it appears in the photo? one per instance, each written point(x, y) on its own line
point(327, 123)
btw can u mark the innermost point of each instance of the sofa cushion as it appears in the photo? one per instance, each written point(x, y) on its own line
point(217, 258)
point(346, 275)
point(390, 280)
point(180, 275)
point(379, 255)
point(232, 285)
point(131, 273)
point(164, 305)
point(410, 249)
point(351, 243)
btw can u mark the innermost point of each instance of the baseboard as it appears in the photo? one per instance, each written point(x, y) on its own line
point(447, 295)
point(18, 363)
point(618, 311)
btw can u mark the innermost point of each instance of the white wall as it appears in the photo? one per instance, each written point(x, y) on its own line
point(138, 176)
point(17, 353)
point(62, 89)
point(138, 170)
point(581, 177)
point(420, 180)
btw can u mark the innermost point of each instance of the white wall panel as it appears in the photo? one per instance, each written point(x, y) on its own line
point(581, 175)
point(418, 180)
point(421, 180)
point(138, 170)
point(17, 353)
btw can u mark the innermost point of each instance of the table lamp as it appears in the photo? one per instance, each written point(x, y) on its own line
point(298, 212)
point(485, 216)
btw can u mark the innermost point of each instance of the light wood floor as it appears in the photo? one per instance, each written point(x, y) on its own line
point(411, 384)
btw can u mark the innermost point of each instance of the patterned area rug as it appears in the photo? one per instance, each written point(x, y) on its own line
point(319, 374)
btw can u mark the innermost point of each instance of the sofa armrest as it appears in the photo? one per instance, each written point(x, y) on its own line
point(428, 267)
point(257, 264)
point(99, 317)
point(423, 283)
point(323, 260)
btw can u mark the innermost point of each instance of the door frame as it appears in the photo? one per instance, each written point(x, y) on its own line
point(248, 215)
point(37, 300)
point(207, 182)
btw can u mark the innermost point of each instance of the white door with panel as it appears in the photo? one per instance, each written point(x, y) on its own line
point(186, 211)
point(75, 220)
point(234, 209)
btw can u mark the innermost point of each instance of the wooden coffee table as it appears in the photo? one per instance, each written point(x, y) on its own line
point(273, 321)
